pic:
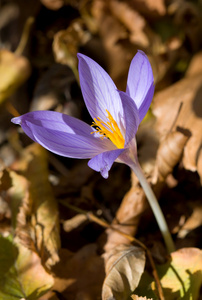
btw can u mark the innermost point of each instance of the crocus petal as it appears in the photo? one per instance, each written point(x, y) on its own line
point(99, 91)
point(140, 83)
point(102, 163)
point(62, 134)
point(131, 117)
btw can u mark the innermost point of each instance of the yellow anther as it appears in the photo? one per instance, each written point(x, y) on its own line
point(110, 130)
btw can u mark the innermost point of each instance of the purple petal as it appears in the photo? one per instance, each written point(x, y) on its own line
point(140, 84)
point(99, 91)
point(131, 116)
point(102, 162)
point(62, 134)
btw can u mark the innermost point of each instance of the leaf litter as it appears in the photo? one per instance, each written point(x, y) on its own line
point(54, 210)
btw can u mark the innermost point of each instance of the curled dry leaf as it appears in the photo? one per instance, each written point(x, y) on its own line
point(187, 91)
point(14, 70)
point(124, 270)
point(67, 42)
point(43, 210)
point(170, 152)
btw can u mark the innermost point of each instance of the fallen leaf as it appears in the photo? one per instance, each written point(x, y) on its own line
point(124, 269)
point(21, 274)
point(170, 152)
point(181, 277)
point(67, 42)
point(132, 20)
point(187, 91)
point(38, 203)
point(14, 70)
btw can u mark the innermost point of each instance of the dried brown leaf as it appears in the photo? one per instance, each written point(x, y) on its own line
point(38, 203)
point(133, 22)
point(124, 270)
point(14, 70)
point(187, 91)
point(67, 42)
point(170, 152)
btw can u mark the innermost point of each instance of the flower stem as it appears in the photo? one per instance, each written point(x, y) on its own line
point(155, 207)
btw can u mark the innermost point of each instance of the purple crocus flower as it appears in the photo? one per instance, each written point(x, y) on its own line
point(116, 117)
point(111, 137)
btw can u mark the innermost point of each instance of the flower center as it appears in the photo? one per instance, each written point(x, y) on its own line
point(110, 130)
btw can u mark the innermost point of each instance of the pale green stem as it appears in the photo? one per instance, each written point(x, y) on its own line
point(155, 207)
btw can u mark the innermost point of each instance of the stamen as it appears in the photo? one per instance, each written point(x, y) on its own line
point(110, 130)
